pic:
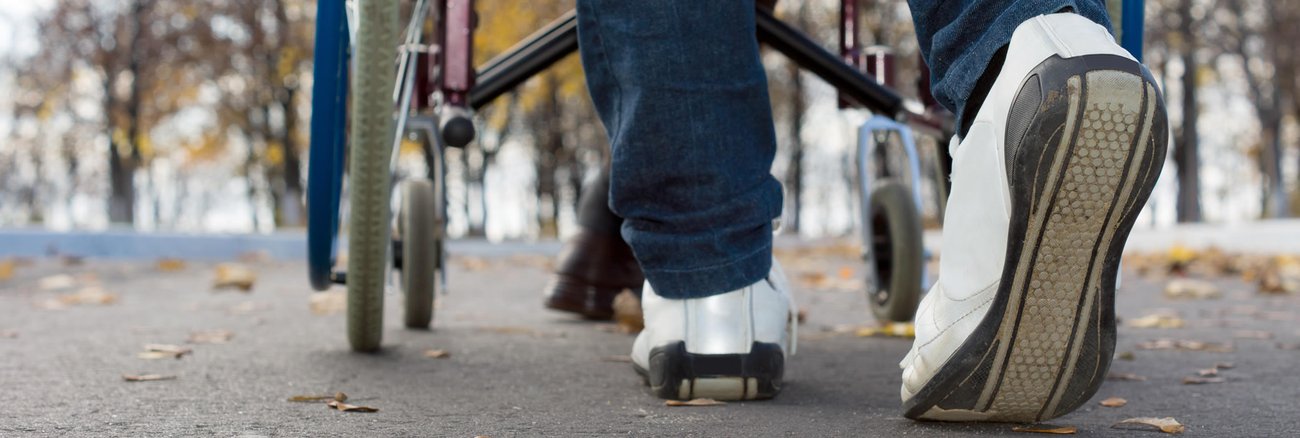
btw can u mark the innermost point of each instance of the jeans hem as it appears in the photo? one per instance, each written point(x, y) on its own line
point(712, 280)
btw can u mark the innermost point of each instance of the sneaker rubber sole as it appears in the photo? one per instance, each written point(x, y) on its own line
point(679, 375)
point(1086, 139)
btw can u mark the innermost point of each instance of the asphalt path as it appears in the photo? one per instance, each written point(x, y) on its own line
point(515, 369)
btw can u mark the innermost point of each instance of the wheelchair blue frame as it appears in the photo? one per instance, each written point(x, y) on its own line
point(328, 136)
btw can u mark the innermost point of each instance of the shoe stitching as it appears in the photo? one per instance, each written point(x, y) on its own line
point(945, 329)
point(944, 291)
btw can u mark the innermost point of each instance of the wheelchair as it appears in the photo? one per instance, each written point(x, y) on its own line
point(389, 70)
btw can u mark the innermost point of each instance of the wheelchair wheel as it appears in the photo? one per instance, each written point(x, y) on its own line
point(895, 227)
point(375, 53)
point(420, 248)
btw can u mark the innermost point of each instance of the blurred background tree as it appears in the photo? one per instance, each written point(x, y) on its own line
point(182, 115)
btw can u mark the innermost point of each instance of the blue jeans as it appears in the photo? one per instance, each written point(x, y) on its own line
point(683, 96)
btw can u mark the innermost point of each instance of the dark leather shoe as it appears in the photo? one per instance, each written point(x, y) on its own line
point(592, 269)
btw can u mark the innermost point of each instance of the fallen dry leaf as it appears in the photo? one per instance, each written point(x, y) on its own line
point(627, 312)
point(1164, 320)
point(1130, 377)
point(87, 295)
point(1126, 355)
point(472, 263)
point(1208, 372)
point(893, 329)
point(255, 257)
point(1253, 334)
point(210, 337)
point(338, 396)
point(147, 377)
point(1166, 425)
point(1114, 402)
point(329, 302)
point(341, 406)
point(846, 273)
point(437, 354)
point(234, 275)
point(1191, 289)
point(1280, 275)
point(695, 402)
point(57, 282)
point(1185, 345)
point(163, 351)
point(1198, 380)
point(7, 267)
point(247, 307)
point(72, 260)
point(1046, 428)
point(170, 265)
point(1288, 346)
point(1225, 365)
point(8, 334)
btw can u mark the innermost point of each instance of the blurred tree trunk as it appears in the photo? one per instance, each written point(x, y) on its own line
point(1186, 157)
point(1265, 95)
point(123, 166)
point(798, 106)
point(286, 84)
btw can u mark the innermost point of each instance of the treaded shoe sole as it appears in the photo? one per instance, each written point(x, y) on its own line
point(678, 375)
point(1086, 139)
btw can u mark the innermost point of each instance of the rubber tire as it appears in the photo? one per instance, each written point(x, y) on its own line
point(419, 251)
point(895, 226)
point(370, 144)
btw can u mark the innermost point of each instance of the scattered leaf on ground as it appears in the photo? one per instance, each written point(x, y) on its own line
point(1185, 345)
point(1198, 380)
point(1208, 372)
point(846, 273)
point(1225, 365)
point(210, 337)
point(57, 282)
point(1130, 377)
point(338, 405)
point(170, 265)
point(1164, 320)
point(87, 295)
point(627, 312)
point(146, 377)
point(1288, 346)
point(622, 358)
point(329, 303)
point(8, 334)
point(801, 316)
point(1046, 428)
point(7, 269)
point(1166, 425)
point(1191, 289)
point(338, 396)
point(255, 257)
point(163, 351)
point(437, 354)
point(472, 263)
point(1280, 275)
point(1253, 334)
point(695, 402)
point(1126, 355)
point(892, 329)
point(1114, 402)
point(234, 276)
point(247, 307)
point(72, 260)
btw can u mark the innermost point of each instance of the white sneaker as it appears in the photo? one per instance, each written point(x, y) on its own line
point(725, 347)
point(1046, 185)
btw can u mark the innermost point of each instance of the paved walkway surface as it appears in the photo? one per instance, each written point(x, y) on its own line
point(518, 370)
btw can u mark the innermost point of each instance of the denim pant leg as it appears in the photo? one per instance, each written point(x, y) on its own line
point(683, 96)
point(959, 37)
